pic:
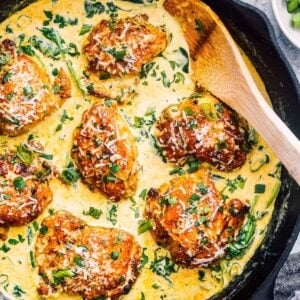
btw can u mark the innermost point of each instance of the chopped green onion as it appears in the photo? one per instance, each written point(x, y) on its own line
point(63, 273)
point(144, 225)
point(260, 188)
point(32, 259)
point(114, 168)
point(114, 255)
point(296, 20)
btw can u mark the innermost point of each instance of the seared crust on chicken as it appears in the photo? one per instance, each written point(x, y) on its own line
point(63, 84)
point(203, 127)
point(124, 46)
point(93, 262)
point(189, 215)
point(105, 153)
point(24, 189)
point(25, 91)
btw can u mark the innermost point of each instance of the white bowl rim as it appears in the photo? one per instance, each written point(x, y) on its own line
point(283, 28)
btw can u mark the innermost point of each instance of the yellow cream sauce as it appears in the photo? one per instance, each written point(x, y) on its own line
point(15, 266)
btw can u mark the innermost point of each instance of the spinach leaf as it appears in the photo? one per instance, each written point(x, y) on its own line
point(44, 47)
point(244, 239)
point(93, 8)
point(185, 67)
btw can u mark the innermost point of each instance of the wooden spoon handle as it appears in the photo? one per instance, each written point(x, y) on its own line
point(277, 135)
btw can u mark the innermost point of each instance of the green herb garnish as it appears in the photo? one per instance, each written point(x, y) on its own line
point(85, 29)
point(93, 212)
point(260, 188)
point(144, 225)
point(19, 183)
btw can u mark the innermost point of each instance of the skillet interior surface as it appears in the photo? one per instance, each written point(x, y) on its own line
point(253, 33)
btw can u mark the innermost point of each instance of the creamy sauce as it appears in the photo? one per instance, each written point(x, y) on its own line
point(15, 266)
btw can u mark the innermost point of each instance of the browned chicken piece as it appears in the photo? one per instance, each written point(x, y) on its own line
point(26, 95)
point(189, 216)
point(203, 127)
point(62, 84)
point(93, 262)
point(24, 189)
point(105, 153)
point(124, 46)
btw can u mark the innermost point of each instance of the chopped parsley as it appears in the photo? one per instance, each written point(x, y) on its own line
point(43, 229)
point(145, 258)
point(79, 261)
point(163, 265)
point(93, 212)
point(201, 275)
point(114, 255)
point(202, 189)
point(4, 248)
point(234, 184)
point(193, 165)
point(109, 178)
point(13, 242)
point(117, 54)
point(8, 29)
point(168, 200)
point(19, 183)
point(198, 25)
point(114, 168)
point(18, 292)
point(63, 21)
point(194, 198)
point(112, 214)
point(6, 77)
point(177, 170)
point(28, 91)
point(69, 174)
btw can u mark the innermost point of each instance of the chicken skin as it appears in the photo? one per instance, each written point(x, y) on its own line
point(93, 262)
point(26, 95)
point(24, 189)
point(203, 127)
point(124, 46)
point(105, 153)
point(189, 215)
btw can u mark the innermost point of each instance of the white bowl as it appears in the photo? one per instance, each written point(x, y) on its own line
point(284, 21)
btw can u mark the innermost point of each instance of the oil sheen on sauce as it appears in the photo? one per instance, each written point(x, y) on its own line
point(151, 95)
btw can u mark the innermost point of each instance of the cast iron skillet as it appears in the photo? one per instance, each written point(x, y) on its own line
point(253, 32)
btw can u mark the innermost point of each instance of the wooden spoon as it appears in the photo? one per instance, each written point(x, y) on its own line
point(219, 67)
